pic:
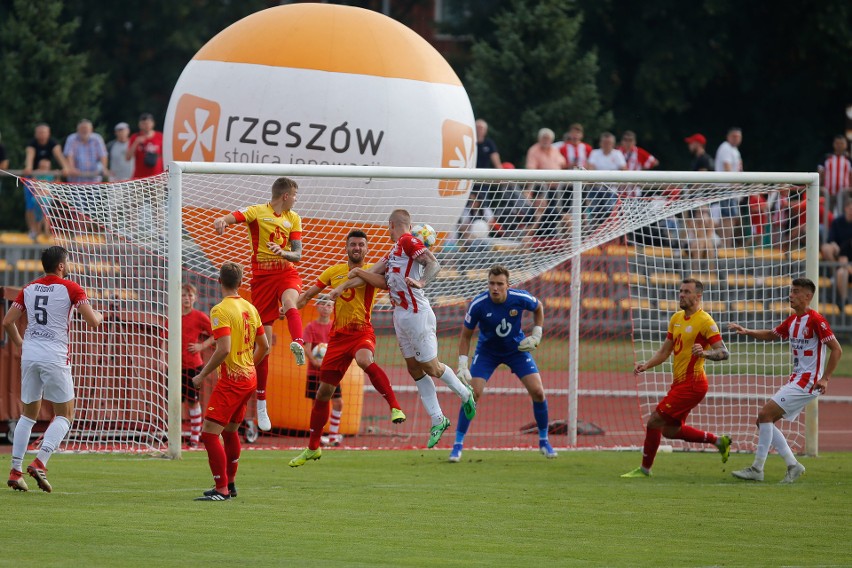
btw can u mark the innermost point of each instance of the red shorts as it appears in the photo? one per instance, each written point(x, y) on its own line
point(342, 347)
point(681, 399)
point(228, 402)
point(266, 290)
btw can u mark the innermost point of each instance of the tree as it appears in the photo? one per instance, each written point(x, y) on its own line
point(44, 79)
point(533, 75)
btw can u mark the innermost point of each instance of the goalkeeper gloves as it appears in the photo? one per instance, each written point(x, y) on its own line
point(463, 372)
point(531, 342)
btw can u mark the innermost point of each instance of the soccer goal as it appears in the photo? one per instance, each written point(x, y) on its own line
point(604, 251)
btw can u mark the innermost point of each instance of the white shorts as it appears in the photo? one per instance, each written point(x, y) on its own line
point(792, 399)
point(51, 381)
point(416, 334)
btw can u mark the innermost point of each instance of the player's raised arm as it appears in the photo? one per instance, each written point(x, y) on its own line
point(90, 315)
point(431, 268)
point(761, 334)
point(12, 316)
point(222, 222)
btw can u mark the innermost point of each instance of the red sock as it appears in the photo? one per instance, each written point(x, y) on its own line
point(319, 418)
point(262, 370)
point(294, 324)
point(232, 453)
point(218, 461)
point(382, 384)
point(691, 434)
point(652, 444)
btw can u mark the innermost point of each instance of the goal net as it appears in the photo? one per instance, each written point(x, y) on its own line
point(604, 251)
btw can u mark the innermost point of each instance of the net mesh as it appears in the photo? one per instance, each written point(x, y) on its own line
point(634, 242)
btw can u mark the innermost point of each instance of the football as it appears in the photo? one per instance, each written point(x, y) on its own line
point(319, 350)
point(425, 233)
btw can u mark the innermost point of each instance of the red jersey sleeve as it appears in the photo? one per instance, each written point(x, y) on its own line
point(76, 293)
point(19, 301)
point(670, 333)
point(645, 158)
point(411, 245)
point(821, 328)
point(239, 216)
point(783, 330)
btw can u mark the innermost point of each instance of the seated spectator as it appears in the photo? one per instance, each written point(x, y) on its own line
point(839, 249)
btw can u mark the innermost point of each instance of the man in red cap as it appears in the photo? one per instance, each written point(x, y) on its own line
point(703, 161)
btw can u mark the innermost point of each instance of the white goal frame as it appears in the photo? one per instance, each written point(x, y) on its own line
point(575, 177)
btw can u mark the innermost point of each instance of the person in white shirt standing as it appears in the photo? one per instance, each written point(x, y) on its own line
point(809, 335)
point(405, 272)
point(726, 214)
point(45, 360)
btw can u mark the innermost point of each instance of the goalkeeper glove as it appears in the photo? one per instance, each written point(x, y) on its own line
point(531, 342)
point(463, 373)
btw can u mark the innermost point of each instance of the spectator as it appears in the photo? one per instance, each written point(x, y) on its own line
point(601, 200)
point(545, 197)
point(86, 154)
point(487, 155)
point(542, 155)
point(146, 147)
point(42, 222)
point(119, 164)
point(835, 173)
point(4, 161)
point(637, 158)
point(606, 157)
point(839, 249)
point(477, 222)
point(728, 159)
point(702, 162)
point(573, 149)
point(41, 147)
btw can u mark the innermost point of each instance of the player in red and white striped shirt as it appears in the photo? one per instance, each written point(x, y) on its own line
point(45, 360)
point(637, 158)
point(809, 335)
point(837, 170)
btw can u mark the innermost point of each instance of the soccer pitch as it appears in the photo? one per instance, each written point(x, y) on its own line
point(413, 508)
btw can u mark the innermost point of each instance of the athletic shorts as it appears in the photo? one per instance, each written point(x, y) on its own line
point(681, 399)
point(342, 347)
point(313, 386)
point(266, 290)
point(187, 388)
point(484, 362)
point(792, 399)
point(416, 333)
point(228, 402)
point(50, 381)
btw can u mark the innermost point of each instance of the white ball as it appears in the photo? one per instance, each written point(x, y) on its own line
point(479, 229)
point(425, 233)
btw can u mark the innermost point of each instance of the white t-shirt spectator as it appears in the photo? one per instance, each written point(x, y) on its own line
point(612, 161)
point(728, 154)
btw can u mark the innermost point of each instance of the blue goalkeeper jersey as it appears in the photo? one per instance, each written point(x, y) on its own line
point(499, 324)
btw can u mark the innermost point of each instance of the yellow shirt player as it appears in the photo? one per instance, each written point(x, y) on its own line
point(275, 235)
point(240, 344)
point(691, 331)
point(352, 337)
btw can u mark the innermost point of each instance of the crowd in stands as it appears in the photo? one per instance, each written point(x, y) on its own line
point(86, 158)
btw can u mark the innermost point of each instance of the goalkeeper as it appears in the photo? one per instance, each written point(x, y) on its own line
point(498, 313)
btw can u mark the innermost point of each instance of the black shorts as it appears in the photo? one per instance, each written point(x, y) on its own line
point(313, 385)
point(187, 389)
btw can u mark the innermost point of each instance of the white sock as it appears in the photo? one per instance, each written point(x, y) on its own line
point(450, 379)
point(19, 444)
point(764, 441)
point(195, 423)
point(53, 437)
point(334, 422)
point(429, 397)
point(779, 442)
point(261, 405)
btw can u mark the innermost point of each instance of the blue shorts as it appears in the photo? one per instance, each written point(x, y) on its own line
point(32, 204)
point(730, 207)
point(484, 362)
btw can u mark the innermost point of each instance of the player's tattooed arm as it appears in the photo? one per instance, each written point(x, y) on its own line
point(431, 268)
point(717, 352)
point(293, 255)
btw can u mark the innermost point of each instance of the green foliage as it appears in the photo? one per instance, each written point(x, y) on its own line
point(412, 508)
point(534, 75)
point(45, 78)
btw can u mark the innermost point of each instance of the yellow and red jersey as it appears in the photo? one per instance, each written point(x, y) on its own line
point(353, 308)
point(267, 226)
point(236, 317)
point(684, 332)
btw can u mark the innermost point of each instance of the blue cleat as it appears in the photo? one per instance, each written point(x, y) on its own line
point(455, 455)
point(545, 448)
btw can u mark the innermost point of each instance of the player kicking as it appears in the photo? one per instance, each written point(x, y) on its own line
point(45, 368)
point(809, 335)
point(691, 331)
point(240, 345)
point(275, 233)
point(498, 313)
point(352, 337)
point(407, 270)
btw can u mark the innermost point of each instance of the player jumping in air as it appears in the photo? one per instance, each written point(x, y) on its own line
point(275, 234)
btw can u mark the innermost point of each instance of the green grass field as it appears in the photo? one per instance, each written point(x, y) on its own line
point(412, 508)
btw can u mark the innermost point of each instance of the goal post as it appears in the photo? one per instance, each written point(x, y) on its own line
point(583, 242)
